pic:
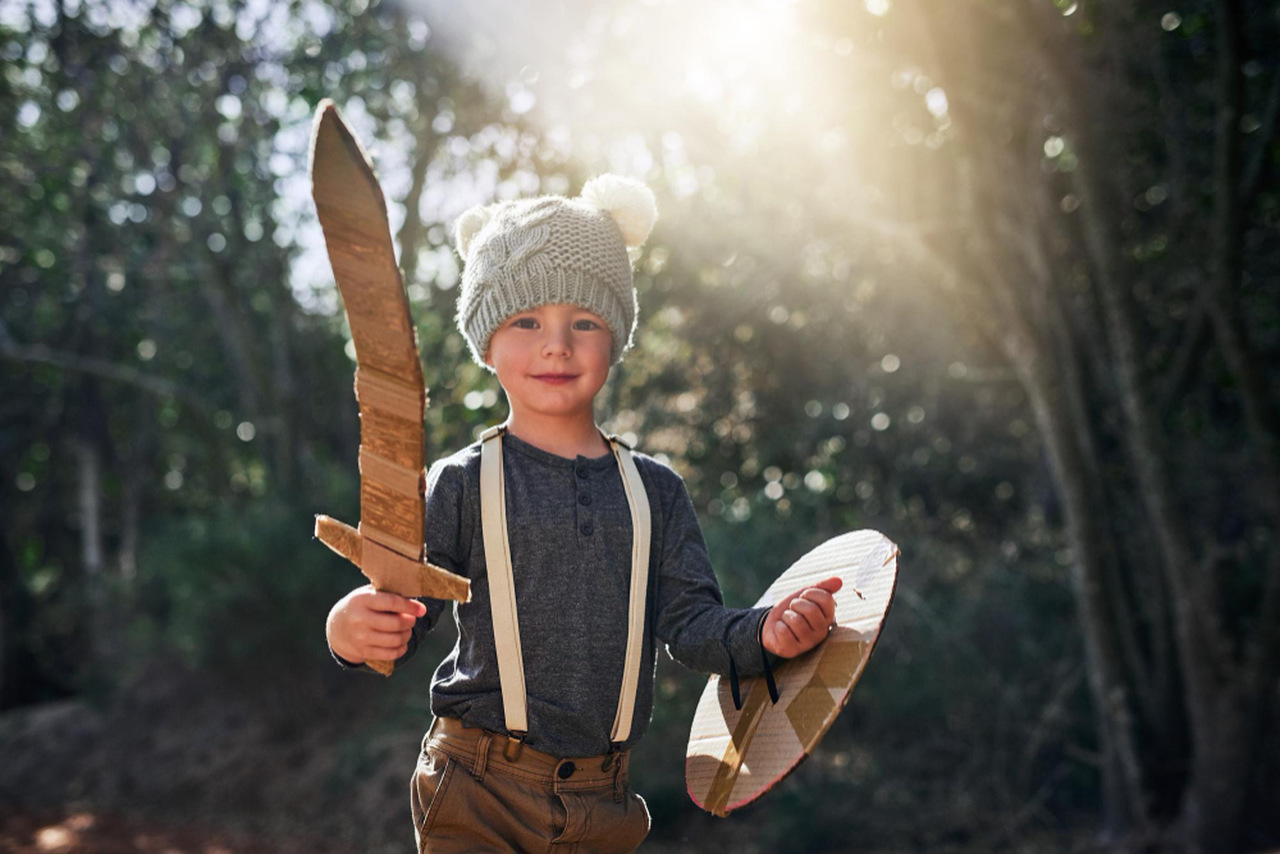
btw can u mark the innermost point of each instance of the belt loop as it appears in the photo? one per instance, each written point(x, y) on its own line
point(482, 755)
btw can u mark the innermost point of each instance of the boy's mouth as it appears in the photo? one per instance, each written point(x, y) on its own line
point(554, 377)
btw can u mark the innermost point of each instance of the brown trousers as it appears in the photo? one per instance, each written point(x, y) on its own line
point(475, 790)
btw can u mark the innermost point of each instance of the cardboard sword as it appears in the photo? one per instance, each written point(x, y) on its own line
point(388, 544)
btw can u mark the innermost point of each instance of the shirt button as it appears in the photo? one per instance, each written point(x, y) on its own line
point(566, 771)
point(582, 472)
point(587, 528)
point(584, 499)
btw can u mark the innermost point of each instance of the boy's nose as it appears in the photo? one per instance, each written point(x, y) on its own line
point(556, 342)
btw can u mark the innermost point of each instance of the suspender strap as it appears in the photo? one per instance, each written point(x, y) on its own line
point(502, 591)
point(640, 525)
point(502, 584)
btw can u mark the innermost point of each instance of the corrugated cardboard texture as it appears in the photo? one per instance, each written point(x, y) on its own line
point(735, 756)
point(389, 570)
point(389, 387)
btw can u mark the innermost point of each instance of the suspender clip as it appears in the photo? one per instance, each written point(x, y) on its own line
point(613, 762)
point(619, 784)
point(514, 746)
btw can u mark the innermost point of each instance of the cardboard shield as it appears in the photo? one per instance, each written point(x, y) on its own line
point(388, 546)
point(735, 756)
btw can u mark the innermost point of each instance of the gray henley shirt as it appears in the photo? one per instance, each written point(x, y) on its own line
point(570, 534)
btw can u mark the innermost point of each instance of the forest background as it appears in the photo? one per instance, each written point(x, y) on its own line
point(994, 277)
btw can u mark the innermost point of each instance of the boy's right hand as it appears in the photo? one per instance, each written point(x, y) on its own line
point(371, 625)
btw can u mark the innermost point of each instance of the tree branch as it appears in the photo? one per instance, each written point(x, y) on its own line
point(1253, 173)
point(40, 354)
point(1194, 341)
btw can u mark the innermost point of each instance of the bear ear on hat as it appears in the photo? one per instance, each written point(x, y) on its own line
point(468, 225)
point(631, 204)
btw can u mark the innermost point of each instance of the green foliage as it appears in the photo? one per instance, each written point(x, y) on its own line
point(244, 587)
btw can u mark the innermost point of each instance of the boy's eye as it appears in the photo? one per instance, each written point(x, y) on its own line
point(530, 323)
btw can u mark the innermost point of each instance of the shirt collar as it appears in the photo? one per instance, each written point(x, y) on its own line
point(515, 443)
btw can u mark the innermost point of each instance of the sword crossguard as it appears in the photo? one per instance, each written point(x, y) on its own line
point(389, 570)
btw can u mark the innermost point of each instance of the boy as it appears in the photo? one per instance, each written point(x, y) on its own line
point(581, 554)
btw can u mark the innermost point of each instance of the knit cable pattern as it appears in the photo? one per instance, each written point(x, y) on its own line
point(541, 251)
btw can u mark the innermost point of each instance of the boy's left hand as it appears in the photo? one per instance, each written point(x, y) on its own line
point(802, 620)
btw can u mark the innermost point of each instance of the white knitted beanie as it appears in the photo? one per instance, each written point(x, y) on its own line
point(524, 253)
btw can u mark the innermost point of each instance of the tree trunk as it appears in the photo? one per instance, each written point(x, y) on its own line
point(1107, 680)
point(1225, 752)
point(1215, 797)
point(89, 503)
point(284, 386)
point(411, 230)
point(9, 583)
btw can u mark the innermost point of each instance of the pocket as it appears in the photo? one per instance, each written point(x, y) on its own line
point(599, 823)
point(427, 789)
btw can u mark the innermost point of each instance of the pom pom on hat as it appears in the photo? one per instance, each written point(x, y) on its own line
point(631, 204)
point(469, 225)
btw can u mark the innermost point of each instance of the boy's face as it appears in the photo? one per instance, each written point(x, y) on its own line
point(552, 360)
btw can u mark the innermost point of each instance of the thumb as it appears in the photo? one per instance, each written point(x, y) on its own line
point(831, 585)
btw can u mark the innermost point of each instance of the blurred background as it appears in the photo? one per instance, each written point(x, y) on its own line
point(997, 278)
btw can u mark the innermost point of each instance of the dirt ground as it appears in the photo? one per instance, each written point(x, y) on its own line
point(24, 831)
point(185, 763)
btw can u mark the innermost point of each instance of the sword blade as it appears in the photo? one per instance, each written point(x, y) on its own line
point(389, 383)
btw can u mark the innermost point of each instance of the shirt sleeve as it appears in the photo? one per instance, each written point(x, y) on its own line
point(447, 537)
point(692, 620)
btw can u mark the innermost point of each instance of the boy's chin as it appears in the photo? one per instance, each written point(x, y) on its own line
point(551, 408)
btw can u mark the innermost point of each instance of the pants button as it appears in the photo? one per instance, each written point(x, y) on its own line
point(566, 771)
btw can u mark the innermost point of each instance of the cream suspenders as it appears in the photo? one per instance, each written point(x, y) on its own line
point(502, 587)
